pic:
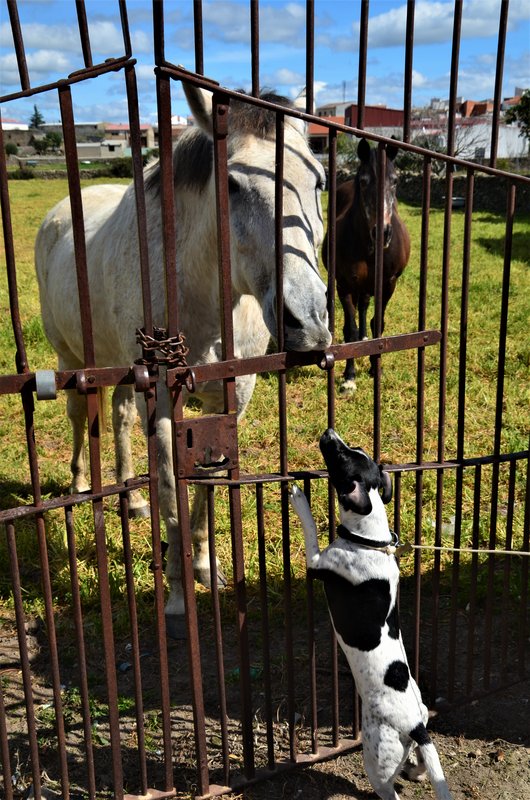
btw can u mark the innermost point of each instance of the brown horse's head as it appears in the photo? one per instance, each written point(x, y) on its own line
point(366, 182)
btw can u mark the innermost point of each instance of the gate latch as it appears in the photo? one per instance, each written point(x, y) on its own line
point(206, 445)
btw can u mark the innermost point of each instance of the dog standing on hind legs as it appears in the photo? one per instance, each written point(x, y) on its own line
point(361, 575)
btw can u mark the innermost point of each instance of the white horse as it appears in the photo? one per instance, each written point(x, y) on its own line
point(113, 268)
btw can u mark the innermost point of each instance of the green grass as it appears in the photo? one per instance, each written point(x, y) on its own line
point(307, 415)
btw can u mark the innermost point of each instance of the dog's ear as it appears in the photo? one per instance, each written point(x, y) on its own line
point(386, 494)
point(357, 500)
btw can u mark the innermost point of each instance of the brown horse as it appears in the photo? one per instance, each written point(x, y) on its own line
point(355, 246)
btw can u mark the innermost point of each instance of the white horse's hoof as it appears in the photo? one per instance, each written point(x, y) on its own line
point(176, 626)
point(139, 512)
point(348, 387)
point(203, 576)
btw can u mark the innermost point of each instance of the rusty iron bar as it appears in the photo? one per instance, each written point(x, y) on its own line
point(523, 616)
point(409, 57)
point(158, 32)
point(83, 32)
point(499, 71)
point(158, 579)
point(139, 193)
point(461, 419)
point(182, 74)
point(473, 579)
point(505, 615)
point(311, 644)
point(420, 409)
point(198, 36)
point(97, 377)
point(24, 659)
point(254, 46)
point(310, 56)
point(501, 365)
point(4, 748)
point(9, 248)
point(265, 627)
point(125, 28)
point(18, 44)
point(361, 74)
point(377, 328)
point(278, 244)
point(218, 638)
point(453, 81)
point(81, 654)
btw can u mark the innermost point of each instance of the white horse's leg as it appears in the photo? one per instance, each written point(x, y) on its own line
point(76, 410)
point(123, 419)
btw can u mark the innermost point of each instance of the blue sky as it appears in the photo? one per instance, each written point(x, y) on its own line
point(53, 51)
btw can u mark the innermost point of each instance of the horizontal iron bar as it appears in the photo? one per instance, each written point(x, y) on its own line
point(285, 360)
point(179, 73)
point(13, 514)
point(113, 65)
point(302, 760)
point(96, 377)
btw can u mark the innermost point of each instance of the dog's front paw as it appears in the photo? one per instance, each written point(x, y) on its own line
point(298, 500)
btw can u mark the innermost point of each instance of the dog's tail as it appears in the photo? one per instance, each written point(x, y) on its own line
point(431, 760)
point(301, 506)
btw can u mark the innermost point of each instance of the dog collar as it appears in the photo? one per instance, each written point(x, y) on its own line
point(390, 548)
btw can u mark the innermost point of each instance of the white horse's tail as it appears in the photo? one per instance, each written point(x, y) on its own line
point(430, 758)
point(301, 506)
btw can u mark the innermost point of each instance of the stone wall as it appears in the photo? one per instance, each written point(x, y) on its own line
point(490, 192)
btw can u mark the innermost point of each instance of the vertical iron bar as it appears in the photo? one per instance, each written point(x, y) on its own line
point(158, 580)
point(167, 200)
point(78, 229)
point(218, 638)
point(378, 294)
point(198, 37)
point(24, 660)
point(461, 426)
point(19, 44)
point(81, 653)
point(254, 45)
point(135, 640)
point(501, 362)
point(363, 48)
point(409, 56)
point(420, 407)
point(9, 249)
point(158, 34)
point(4, 749)
point(265, 624)
point(310, 56)
point(501, 45)
point(523, 616)
point(453, 83)
point(311, 645)
point(473, 581)
point(331, 242)
point(505, 614)
point(125, 28)
point(139, 191)
point(83, 32)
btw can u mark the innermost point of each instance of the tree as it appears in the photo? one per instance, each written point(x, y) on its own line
point(36, 120)
point(54, 141)
point(521, 114)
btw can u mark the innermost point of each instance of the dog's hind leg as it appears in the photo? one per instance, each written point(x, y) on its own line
point(301, 506)
point(384, 752)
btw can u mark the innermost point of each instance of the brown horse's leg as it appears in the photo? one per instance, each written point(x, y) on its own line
point(351, 334)
point(386, 297)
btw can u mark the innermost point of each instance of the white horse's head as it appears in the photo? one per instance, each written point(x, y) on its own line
point(251, 167)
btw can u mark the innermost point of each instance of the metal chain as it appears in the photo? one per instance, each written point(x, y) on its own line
point(173, 349)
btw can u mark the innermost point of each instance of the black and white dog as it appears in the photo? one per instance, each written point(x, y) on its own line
point(361, 575)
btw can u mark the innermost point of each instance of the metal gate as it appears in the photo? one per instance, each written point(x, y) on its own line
point(109, 707)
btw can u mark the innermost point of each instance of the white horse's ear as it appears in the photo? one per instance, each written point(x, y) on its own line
point(200, 103)
point(300, 103)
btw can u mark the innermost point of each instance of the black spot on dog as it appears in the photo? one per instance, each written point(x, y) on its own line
point(358, 612)
point(397, 676)
point(420, 735)
point(393, 622)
